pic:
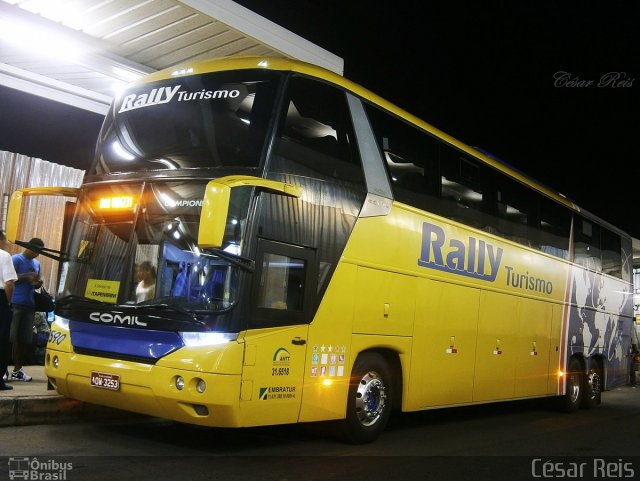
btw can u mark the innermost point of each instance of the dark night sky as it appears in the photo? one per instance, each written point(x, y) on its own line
point(482, 72)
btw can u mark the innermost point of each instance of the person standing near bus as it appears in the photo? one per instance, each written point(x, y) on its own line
point(7, 279)
point(24, 311)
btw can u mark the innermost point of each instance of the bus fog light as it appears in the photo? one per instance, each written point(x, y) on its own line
point(201, 386)
point(180, 383)
point(56, 362)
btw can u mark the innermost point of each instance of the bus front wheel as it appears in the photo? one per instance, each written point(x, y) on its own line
point(370, 399)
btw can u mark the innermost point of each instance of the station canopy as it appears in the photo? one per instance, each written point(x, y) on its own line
point(81, 52)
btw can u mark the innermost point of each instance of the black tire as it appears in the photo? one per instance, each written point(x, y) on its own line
point(572, 399)
point(592, 387)
point(370, 399)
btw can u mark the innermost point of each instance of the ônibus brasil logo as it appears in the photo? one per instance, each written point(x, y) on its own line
point(34, 469)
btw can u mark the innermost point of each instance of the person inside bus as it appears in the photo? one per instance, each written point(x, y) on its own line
point(180, 286)
point(146, 277)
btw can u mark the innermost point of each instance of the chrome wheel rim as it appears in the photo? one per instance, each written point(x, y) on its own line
point(594, 383)
point(371, 399)
point(573, 387)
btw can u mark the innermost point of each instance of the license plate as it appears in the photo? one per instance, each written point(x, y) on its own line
point(105, 381)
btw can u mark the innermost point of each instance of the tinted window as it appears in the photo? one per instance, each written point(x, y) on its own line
point(314, 148)
point(315, 138)
point(432, 175)
point(611, 253)
point(411, 158)
point(586, 246)
point(285, 284)
point(196, 121)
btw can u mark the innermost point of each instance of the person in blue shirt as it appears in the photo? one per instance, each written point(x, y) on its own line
point(28, 271)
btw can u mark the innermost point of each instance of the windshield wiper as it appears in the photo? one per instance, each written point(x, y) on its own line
point(166, 307)
point(45, 251)
point(243, 263)
point(63, 301)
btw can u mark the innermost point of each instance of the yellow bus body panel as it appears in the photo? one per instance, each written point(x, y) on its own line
point(272, 374)
point(474, 340)
point(330, 351)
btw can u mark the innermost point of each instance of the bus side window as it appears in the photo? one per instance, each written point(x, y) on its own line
point(586, 246)
point(611, 253)
point(411, 157)
point(316, 137)
point(281, 282)
point(285, 284)
point(555, 227)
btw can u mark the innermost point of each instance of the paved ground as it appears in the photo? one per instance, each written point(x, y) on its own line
point(33, 403)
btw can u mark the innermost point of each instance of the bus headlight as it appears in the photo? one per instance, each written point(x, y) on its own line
point(194, 339)
point(180, 383)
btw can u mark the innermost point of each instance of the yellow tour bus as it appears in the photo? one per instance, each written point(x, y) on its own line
point(260, 241)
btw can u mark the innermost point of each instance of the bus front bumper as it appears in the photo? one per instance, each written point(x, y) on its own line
point(148, 389)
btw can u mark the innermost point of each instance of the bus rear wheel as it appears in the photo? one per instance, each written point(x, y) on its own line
point(370, 399)
point(592, 388)
point(572, 398)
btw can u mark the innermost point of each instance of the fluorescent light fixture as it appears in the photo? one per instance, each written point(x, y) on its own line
point(61, 11)
point(194, 339)
point(40, 41)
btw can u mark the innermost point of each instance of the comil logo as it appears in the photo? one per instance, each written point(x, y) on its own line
point(34, 469)
point(109, 318)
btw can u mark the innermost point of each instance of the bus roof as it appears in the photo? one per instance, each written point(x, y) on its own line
point(282, 64)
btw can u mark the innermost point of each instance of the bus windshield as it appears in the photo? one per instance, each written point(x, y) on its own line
point(137, 244)
point(209, 120)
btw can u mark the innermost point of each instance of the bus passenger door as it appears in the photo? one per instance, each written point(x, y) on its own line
point(276, 342)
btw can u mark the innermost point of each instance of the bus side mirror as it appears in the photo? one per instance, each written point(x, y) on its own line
point(219, 196)
point(14, 213)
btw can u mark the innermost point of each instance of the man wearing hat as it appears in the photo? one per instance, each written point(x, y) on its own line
point(24, 311)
